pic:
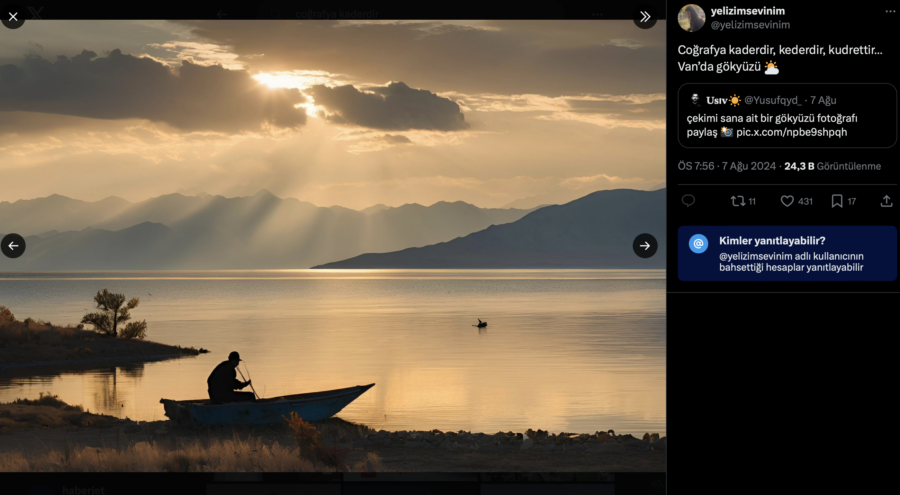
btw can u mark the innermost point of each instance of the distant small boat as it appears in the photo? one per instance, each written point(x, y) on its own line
point(314, 406)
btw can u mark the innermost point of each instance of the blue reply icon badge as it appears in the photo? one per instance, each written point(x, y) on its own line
point(699, 243)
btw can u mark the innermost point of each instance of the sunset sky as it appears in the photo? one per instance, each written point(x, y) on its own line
point(334, 113)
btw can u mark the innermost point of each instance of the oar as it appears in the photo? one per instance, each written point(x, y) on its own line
point(251, 385)
point(251, 379)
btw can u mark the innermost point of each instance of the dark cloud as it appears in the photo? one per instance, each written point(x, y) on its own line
point(119, 86)
point(396, 139)
point(392, 107)
point(551, 58)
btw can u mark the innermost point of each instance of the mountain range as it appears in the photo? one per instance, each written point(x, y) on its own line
point(595, 231)
point(213, 232)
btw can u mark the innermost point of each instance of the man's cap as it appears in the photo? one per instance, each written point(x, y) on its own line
point(234, 355)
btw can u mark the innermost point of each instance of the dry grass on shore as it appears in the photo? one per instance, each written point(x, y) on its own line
point(194, 453)
point(236, 455)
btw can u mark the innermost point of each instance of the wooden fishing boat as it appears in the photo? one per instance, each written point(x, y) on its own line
point(314, 406)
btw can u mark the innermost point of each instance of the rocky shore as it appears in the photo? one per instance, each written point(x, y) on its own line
point(538, 441)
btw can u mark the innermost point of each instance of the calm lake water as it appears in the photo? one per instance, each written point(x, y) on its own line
point(576, 350)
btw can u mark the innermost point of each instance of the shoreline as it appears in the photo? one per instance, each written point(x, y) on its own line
point(39, 344)
point(374, 452)
point(127, 445)
point(80, 362)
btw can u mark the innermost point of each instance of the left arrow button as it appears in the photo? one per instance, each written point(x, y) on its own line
point(13, 245)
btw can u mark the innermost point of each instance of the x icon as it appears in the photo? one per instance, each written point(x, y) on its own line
point(12, 16)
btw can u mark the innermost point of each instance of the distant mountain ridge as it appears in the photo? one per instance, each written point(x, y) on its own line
point(60, 213)
point(213, 232)
point(596, 231)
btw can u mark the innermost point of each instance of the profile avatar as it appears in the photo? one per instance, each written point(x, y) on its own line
point(691, 18)
point(695, 99)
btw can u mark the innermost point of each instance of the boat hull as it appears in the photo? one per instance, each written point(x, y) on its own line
point(311, 407)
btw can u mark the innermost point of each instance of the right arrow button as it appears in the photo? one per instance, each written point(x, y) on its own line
point(645, 245)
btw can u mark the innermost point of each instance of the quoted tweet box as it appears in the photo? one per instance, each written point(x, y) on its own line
point(787, 115)
point(787, 253)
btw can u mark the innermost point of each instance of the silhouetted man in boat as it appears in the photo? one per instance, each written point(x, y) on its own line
point(223, 382)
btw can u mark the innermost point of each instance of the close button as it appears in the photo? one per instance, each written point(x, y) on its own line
point(12, 16)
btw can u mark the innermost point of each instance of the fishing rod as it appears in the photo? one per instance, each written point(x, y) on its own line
point(251, 385)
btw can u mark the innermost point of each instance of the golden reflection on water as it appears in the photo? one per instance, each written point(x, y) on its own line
point(576, 354)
